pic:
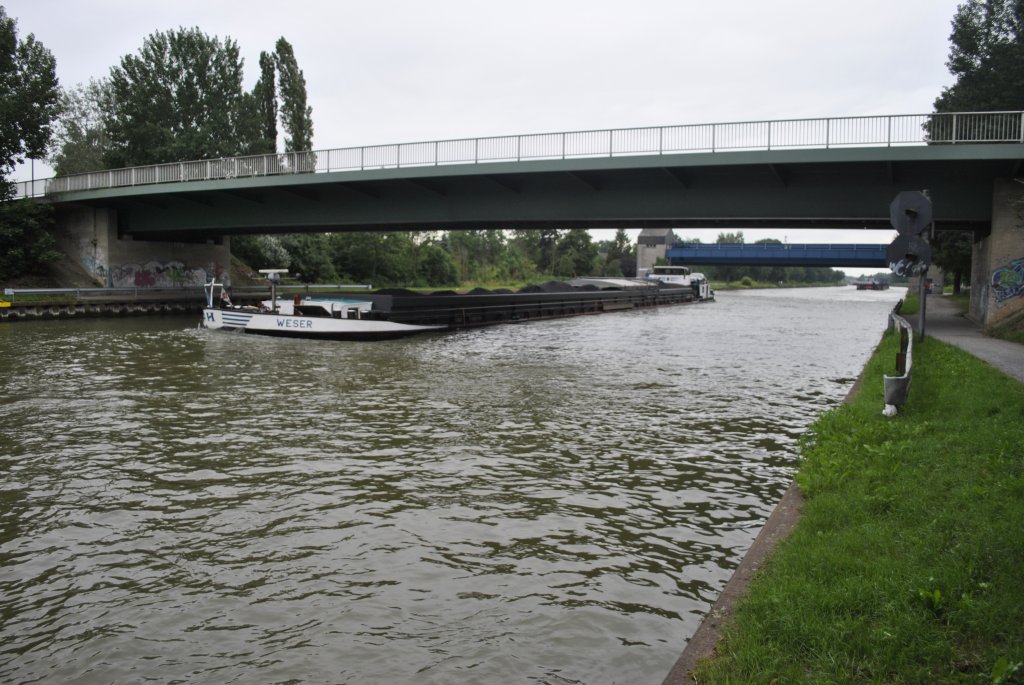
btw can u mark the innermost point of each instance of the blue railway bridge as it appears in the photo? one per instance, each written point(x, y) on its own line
point(790, 254)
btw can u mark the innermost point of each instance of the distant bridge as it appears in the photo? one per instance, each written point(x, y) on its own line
point(766, 254)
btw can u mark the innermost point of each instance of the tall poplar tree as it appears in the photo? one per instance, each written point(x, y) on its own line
point(296, 115)
point(265, 93)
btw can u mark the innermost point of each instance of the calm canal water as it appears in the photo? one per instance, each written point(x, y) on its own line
point(555, 502)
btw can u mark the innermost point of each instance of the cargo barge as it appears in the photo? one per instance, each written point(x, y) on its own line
point(396, 313)
point(872, 284)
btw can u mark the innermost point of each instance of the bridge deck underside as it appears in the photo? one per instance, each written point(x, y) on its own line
point(758, 190)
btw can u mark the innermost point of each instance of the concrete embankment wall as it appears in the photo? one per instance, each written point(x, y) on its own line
point(997, 267)
point(111, 258)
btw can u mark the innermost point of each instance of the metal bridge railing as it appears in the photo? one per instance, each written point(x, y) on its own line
point(874, 131)
point(173, 294)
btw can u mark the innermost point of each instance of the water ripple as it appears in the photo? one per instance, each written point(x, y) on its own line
point(547, 503)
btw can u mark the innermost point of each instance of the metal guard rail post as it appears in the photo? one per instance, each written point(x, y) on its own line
point(897, 388)
point(827, 133)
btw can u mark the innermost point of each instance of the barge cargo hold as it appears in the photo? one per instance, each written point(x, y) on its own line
point(395, 313)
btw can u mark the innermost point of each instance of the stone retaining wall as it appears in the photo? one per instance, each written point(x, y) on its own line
point(33, 312)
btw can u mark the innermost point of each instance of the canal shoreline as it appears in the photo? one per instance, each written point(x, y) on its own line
point(37, 312)
point(874, 490)
point(780, 524)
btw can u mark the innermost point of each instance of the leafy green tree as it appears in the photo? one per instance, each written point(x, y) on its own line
point(475, 253)
point(265, 94)
point(310, 257)
point(541, 246)
point(577, 254)
point(296, 115)
point(180, 98)
point(617, 251)
point(515, 264)
point(380, 259)
point(986, 56)
point(261, 251)
point(30, 99)
point(27, 244)
point(81, 140)
point(434, 266)
point(951, 251)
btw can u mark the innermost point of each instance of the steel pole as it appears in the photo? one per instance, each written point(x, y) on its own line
point(923, 307)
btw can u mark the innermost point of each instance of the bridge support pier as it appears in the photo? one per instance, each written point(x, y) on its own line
point(997, 263)
point(90, 236)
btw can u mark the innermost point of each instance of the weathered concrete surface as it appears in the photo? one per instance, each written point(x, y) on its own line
point(997, 263)
point(90, 236)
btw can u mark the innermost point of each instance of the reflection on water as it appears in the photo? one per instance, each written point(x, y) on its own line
point(554, 502)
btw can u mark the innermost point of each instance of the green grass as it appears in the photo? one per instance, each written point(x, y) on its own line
point(38, 299)
point(907, 565)
point(1011, 329)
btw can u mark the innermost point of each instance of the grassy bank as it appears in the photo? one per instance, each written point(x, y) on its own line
point(907, 565)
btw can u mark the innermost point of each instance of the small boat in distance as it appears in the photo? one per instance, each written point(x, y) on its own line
point(872, 284)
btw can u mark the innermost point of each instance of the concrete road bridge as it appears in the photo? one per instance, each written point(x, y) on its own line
point(831, 173)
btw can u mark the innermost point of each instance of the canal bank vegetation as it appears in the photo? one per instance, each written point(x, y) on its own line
point(1012, 329)
point(906, 564)
point(484, 258)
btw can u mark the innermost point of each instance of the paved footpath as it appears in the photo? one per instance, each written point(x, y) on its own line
point(943, 321)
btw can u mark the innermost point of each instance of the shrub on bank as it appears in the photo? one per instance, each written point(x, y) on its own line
point(27, 245)
point(906, 563)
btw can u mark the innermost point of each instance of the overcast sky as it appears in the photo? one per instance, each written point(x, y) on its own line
point(393, 71)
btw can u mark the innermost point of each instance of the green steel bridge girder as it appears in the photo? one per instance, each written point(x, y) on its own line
point(838, 188)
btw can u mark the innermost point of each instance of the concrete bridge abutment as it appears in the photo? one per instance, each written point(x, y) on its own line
point(997, 264)
point(90, 236)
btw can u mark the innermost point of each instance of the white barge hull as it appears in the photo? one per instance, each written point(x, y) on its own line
point(292, 326)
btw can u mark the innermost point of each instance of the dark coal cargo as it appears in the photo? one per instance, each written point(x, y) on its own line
point(395, 313)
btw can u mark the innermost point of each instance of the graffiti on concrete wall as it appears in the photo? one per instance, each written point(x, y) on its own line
point(91, 260)
point(156, 275)
point(1008, 281)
